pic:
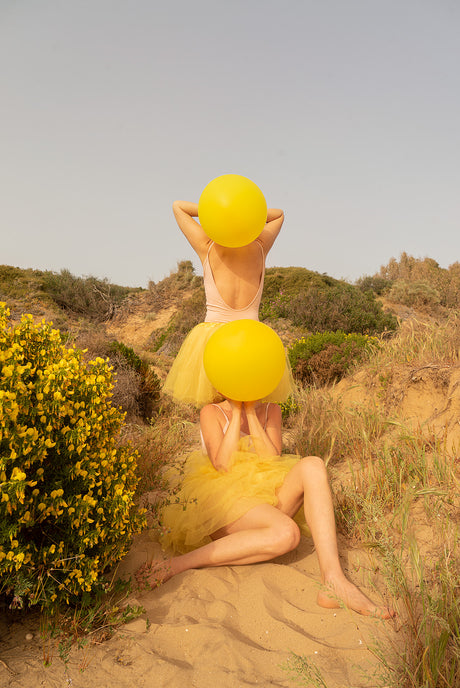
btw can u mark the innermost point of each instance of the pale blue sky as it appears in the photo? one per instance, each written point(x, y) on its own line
point(346, 113)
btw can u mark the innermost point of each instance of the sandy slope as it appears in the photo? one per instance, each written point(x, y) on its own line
point(227, 627)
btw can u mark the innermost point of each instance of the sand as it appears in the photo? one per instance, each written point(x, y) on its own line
point(228, 627)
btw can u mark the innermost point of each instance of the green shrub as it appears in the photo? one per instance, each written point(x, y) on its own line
point(320, 303)
point(446, 282)
point(289, 409)
point(325, 357)
point(416, 294)
point(342, 307)
point(16, 283)
point(85, 296)
point(374, 283)
point(67, 486)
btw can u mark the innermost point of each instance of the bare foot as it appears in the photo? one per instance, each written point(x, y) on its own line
point(338, 593)
point(150, 576)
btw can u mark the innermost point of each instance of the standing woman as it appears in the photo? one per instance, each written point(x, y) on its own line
point(233, 283)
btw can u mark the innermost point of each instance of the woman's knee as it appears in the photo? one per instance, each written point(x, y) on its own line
point(286, 536)
point(313, 466)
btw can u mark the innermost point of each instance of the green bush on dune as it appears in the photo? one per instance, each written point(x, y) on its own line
point(92, 298)
point(418, 282)
point(320, 303)
point(326, 357)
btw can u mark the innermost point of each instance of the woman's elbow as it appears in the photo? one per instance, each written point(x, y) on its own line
point(220, 467)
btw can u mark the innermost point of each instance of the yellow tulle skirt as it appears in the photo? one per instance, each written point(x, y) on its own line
point(207, 499)
point(187, 380)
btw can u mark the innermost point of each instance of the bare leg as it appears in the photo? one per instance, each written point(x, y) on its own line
point(308, 482)
point(261, 534)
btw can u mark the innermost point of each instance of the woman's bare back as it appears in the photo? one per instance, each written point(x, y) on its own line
point(237, 272)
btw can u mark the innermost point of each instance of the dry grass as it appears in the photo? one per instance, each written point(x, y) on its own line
point(422, 343)
point(396, 492)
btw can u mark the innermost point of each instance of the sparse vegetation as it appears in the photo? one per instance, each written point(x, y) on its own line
point(183, 280)
point(391, 481)
point(418, 282)
point(190, 313)
point(88, 297)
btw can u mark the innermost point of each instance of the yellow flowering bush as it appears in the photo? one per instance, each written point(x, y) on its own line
point(67, 487)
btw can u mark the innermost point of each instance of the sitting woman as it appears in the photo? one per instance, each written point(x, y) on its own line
point(238, 499)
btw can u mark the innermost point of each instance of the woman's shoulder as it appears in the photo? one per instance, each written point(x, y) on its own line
point(212, 411)
point(271, 407)
point(271, 411)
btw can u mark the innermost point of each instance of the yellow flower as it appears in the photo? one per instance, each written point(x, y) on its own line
point(17, 474)
point(57, 493)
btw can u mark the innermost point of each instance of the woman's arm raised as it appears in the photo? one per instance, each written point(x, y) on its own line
point(275, 219)
point(184, 212)
point(219, 445)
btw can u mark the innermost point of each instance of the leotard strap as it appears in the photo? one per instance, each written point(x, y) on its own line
point(227, 420)
point(266, 415)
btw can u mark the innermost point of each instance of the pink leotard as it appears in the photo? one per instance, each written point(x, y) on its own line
point(216, 308)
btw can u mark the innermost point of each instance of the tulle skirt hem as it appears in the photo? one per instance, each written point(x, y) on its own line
point(208, 500)
point(187, 381)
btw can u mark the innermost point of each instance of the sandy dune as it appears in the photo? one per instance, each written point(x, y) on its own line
point(227, 627)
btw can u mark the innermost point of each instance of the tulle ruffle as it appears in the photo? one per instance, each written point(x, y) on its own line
point(187, 380)
point(207, 499)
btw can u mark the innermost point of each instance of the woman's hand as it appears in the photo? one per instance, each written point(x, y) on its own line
point(236, 405)
point(267, 440)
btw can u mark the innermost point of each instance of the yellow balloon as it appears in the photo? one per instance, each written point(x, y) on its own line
point(244, 360)
point(232, 210)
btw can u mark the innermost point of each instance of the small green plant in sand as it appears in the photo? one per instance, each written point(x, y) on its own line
point(304, 672)
point(93, 620)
